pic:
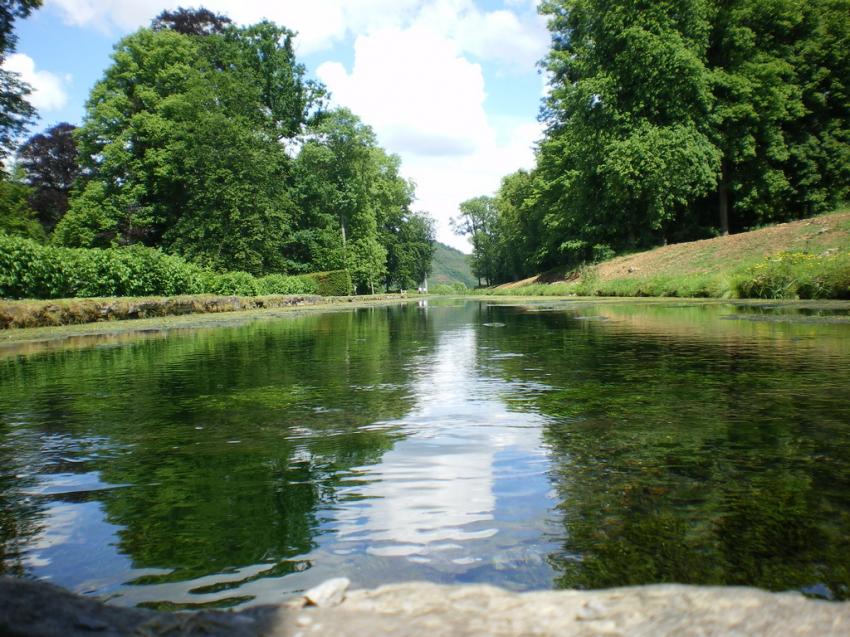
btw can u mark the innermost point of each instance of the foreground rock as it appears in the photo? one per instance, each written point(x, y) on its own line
point(39, 609)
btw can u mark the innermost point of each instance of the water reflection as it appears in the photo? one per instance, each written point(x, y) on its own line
point(529, 446)
point(446, 497)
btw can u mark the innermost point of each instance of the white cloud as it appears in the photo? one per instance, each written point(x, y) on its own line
point(320, 23)
point(48, 89)
point(442, 183)
point(516, 38)
point(415, 90)
point(509, 36)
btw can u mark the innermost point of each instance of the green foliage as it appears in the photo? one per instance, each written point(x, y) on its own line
point(16, 215)
point(32, 270)
point(355, 208)
point(333, 283)
point(282, 284)
point(477, 220)
point(450, 266)
point(181, 141)
point(187, 146)
point(792, 275)
point(676, 120)
point(449, 289)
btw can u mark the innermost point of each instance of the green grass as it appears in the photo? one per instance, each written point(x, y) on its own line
point(807, 259)
point(786, 275)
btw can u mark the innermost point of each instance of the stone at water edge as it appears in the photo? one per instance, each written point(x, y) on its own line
point(329, 593)
point(38, 609)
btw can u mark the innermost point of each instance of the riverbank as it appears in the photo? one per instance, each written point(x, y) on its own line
point(38, 609)
point(35, 339)
point(806, 259)
point(62, 312)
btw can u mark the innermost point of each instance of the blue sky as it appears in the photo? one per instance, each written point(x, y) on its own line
point(449, 85)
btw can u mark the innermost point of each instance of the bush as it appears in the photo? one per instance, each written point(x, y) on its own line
point(792, 275)
point(282, 284)
point(333, 283)
point(31, 270)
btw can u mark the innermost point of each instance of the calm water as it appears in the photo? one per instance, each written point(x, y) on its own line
point(533, 447)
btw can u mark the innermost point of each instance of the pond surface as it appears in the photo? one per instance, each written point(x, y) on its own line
point(534, 446)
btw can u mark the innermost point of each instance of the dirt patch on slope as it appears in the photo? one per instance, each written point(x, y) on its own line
point(818, 234)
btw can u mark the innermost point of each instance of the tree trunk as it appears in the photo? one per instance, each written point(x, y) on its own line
point(723, 205)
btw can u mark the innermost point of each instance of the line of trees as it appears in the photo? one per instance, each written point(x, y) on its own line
point(207, 140)
point(673, 120)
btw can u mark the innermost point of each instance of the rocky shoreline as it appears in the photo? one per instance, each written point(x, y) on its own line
point(38, 609)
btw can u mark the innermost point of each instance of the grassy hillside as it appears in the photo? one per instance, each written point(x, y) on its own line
point(450, 266)
point(806, 259)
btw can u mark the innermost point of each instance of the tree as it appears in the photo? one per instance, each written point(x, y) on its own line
point(16, 216)
point(49, 163)
point(182, 139)
point(628, 145)
point(477, 220)
point(779, 74)
point(15, 112)
point(409, 238)
point(348, 189)
point(198, 21)
point(517, 227)
point(677, 119)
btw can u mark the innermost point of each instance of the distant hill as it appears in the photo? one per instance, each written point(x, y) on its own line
point(450, 266)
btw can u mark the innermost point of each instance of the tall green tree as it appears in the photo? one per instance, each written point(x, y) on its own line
point(518, 223)
point(677, 119)
point(409, 238)
point(477, 220)
point(16, 113)
point(49, 164)
point(183, 142)
point(355, 207)
point(779, 70)
point(629, 144)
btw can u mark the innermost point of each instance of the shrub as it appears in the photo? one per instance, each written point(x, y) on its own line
point(790, 275)
point(282, 284)
point(332, 283)
point(31, 270)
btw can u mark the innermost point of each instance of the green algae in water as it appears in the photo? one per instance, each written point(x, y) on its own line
point(590, 445)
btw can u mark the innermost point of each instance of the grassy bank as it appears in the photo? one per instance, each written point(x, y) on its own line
point(808, 259)
point(54, 313)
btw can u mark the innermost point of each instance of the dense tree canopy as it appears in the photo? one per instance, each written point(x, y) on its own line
point(676, 120)
point(184, 154)
point(356, 207)
point(191, 21)
point(208, 140)
point(49, 164)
